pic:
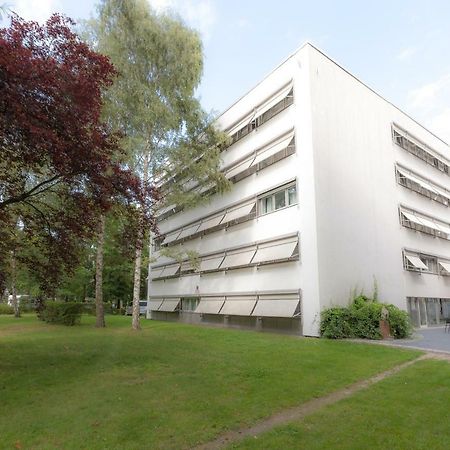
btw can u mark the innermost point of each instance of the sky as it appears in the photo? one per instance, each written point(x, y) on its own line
point(400, 48)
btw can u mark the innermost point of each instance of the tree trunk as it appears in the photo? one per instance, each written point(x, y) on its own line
point(149, 273)
point(136, 323)
point(99, 311)
point(13, 285)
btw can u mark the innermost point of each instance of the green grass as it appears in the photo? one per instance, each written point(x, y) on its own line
point(169, 386)
point(409, 410)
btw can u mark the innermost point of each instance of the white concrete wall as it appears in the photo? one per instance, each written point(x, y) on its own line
point(357, 197)
point(284, 276)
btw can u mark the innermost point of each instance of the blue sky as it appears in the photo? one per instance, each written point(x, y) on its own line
point(399, 48)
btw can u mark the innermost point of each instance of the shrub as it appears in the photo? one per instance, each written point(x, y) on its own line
point(399, 322)
point(6, 309)
point(365, 316)
point(335, 323)
point(362, 320)
point(65, 313)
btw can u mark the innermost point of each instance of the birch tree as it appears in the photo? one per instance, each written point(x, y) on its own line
point(159, 61)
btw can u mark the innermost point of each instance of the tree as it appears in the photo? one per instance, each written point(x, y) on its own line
point(60, 163)
point(152, 103)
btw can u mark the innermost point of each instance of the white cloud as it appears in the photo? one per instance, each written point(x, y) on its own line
point(430, 103)
point(39, 11)
point(199, 14)
point(407, 53)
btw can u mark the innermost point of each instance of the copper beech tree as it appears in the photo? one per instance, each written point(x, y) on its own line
point(60, 165)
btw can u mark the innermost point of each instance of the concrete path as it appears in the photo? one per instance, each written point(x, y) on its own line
point(434, 339)
point(303, 410)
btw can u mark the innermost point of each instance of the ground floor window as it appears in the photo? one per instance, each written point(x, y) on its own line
point(426, 311)
point(189, 303)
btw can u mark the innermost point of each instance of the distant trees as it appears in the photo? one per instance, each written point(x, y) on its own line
point(60, 163)
point(82, 142)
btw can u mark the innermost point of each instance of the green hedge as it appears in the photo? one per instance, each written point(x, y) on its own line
point(65, 313)
point(362, 320)
point(6, 309)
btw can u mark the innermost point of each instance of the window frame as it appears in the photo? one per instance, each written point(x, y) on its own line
point(260, 210)
point(189, 301)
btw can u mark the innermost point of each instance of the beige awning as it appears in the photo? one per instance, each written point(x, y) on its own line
point(275, 251)
point(189, 230)
point(282, 93)
point(156, 273)
point(169, 305)
point(237, 213)
point(210, 223)
point(155, 304)
point(238, 259)
point(210, 305)
point(445, 265)
point(272, 150)
point(170, 237)
point(211, 263)
point(411, 217)
point(416, 262)
point(442, 227)
point(416, 179)
point(239, 306)
point(425, 221)
point(187, 266)
point(276, 308)
point(170, 271)
point(244, 165)
point(428, 223)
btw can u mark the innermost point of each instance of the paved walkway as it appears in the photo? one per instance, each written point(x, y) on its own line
point(434, 339)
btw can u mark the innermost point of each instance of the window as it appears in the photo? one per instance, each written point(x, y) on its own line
point(292, 195)
point(416, 262)
point(428, 311)
point(419, 262)
point(279, 199)
point(420, 150)
point(422, 186)
point(267, 205)
point(189, 303)
point(427, 225)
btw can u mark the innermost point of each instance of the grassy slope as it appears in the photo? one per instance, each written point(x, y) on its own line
point(407, 411)
point(169, 386)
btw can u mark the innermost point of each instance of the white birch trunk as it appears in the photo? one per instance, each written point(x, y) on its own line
point(149, 274)
point(13, 285)
point(99, 311)
point(136, 323)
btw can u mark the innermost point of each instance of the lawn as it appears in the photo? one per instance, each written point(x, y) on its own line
point(170, 386)
point(409, 410)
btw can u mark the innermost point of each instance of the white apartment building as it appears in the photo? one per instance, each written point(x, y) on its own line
point(334, 188)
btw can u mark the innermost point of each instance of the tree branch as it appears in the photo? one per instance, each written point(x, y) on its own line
point(46, 184)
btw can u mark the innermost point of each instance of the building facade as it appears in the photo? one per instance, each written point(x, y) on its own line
point(334, 190)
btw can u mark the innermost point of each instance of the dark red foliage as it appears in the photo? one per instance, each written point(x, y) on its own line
point(50, 105)
point(60, 165)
